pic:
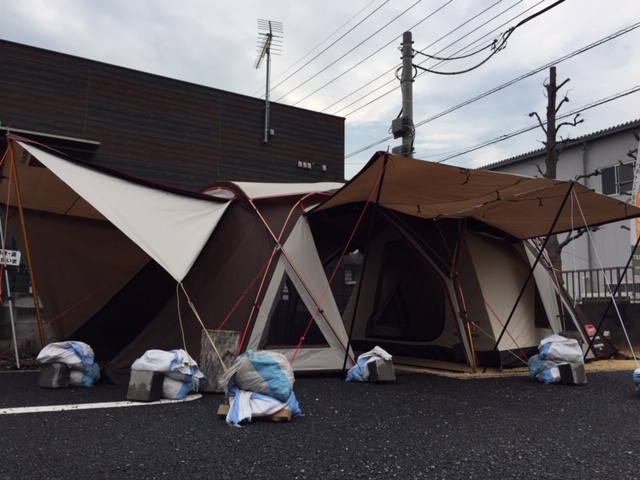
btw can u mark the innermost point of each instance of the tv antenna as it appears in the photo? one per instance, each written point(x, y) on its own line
point(268, 42)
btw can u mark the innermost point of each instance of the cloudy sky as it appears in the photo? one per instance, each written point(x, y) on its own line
point(341, 57)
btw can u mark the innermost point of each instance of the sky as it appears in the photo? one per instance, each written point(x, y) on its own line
point(341, 58)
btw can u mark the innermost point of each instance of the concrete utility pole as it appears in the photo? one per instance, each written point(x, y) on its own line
point(407, 94)
point(403, 125)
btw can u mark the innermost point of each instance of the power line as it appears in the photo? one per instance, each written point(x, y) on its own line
point(507, 136)
point(371, 55)
point(332, 44)
point(428, 46)
point(349, 51)
point(507, 84)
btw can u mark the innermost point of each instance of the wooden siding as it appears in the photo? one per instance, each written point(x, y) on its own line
point(162, 129)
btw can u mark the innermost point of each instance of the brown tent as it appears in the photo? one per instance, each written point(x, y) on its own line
point(119, 261)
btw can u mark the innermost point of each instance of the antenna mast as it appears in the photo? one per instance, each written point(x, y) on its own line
point(268, 42)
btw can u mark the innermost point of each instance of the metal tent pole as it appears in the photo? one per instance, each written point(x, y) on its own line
point(535, 264)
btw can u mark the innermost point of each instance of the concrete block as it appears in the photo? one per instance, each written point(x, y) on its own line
point(54, 375)
point(381, 370)
point(145, 386)
point(572, 374)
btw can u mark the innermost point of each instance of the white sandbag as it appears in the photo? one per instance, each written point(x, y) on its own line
point(561, 349)
point(360, 372)
point(75, 355)
point(246, 405)
point(268, 373)
point(176, 364)
point(550, 374)
point(181, 372)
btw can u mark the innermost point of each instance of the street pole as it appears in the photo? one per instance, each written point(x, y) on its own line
point(406, 85)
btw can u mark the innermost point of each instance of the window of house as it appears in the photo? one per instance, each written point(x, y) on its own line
point(617, 179)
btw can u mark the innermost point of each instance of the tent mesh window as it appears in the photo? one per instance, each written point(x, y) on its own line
point(410, 304)
point(290, 320)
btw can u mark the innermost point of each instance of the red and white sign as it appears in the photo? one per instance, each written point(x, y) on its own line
point(591, 330)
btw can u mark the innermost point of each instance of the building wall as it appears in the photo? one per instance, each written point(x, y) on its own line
point(161, 129)
point(610, 246)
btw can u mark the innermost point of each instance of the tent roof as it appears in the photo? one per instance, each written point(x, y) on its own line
point(524, 207)
point(258, 190)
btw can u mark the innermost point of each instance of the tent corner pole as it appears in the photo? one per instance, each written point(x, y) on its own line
point(535, 264)
point(36, 299)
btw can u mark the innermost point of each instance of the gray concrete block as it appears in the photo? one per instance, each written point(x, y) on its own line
point(145, 386)
point(381, 370)
point(572, 374)
point(54, 375)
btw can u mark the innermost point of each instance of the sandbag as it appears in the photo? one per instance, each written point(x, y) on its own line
point(246, 405)
point(181, 372)
point(268, 373)
point(359, 372)
point(73, 354)
point(636, 378)
point(550, 374)
point(78, 356)
point(561, 349)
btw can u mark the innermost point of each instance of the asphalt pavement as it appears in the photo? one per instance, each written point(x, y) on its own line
point(420, 426)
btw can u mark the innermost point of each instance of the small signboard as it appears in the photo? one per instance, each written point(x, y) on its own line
point(591, 330)
point(10, 257)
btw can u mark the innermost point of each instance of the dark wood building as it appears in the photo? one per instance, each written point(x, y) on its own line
point(160, 129)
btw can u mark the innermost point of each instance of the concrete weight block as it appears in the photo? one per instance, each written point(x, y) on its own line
point(145, 386)
point(54, 375)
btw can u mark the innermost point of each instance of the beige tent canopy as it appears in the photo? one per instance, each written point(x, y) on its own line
point(523, 207)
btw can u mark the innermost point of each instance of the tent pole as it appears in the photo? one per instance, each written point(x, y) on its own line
point(612, 298)
point(364, 264)
point(535, 264)
point(463, 314)
point(36, 299)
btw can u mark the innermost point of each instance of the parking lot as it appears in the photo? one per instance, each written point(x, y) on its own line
point(420, 426)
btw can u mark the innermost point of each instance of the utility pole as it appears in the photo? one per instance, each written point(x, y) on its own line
point(407, 94)
point(403, 125)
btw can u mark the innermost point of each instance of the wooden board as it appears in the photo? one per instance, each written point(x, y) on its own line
point(283, 415)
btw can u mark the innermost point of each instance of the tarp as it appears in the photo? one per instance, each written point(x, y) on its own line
point(524, 207)
point(170, 228)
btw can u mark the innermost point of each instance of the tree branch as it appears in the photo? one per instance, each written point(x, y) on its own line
point(535, 114)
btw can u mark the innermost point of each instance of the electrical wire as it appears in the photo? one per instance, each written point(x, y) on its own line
point(507, 136)
point(371, 55)
point(394, 89)
point(332, 44)
point(508, 84)
point(349, 51)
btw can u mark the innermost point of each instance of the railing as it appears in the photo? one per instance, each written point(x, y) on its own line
point(597, 285)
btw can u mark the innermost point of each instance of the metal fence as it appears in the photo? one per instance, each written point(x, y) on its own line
point(598, 285)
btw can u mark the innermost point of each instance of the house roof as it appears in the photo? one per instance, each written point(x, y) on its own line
point(570, 142)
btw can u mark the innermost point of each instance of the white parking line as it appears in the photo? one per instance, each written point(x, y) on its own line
point(87, 406)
